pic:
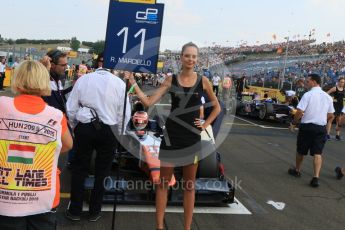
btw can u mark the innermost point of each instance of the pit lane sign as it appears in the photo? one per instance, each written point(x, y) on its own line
point(133, 36)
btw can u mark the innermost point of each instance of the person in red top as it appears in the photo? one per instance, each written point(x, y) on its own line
point(46, 138)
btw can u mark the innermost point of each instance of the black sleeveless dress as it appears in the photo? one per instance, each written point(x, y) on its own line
point(181, 141)
point(339, 104)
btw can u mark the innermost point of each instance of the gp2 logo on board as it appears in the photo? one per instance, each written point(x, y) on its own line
point(148, 16)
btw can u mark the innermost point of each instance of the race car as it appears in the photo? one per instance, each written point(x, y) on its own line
point(136, 169)
point(266, 108)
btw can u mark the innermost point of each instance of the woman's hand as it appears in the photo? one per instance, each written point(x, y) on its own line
point(129, 76)
point(200, 123)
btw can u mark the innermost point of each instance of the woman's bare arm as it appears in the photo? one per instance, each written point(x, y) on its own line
point(332, 90)
point(214, 102)
point(67, 142)
point(157, 95)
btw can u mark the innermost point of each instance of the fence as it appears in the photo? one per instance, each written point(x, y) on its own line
point(13, 52)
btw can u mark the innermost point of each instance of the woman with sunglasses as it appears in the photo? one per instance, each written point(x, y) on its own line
point(338, 94)
point(181, 143)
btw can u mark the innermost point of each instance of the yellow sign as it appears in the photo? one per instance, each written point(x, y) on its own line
point(8, 77)
point(140, 1)
point(160, 65)
point(72, 54)
point(272, 93)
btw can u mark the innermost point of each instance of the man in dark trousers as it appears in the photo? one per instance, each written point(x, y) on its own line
point(314, 110)
point(95, 105)
point(240, 85)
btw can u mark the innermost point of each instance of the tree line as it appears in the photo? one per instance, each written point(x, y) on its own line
point(95, 47)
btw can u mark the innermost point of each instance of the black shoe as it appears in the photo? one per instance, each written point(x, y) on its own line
point(95, 217)
point(294, 172)
point(328, 137)
point(337, 137)
point(72, 217)
point(314, 182)
point(339, 173)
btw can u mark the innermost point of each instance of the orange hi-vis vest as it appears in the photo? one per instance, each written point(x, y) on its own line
point(29, 149)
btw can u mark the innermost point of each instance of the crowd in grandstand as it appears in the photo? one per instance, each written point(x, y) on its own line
point(331, 66)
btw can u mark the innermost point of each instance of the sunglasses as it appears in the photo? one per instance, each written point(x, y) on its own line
point(55, 56)
point(63, 65)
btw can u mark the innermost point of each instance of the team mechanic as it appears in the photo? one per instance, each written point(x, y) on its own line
point(315, 109)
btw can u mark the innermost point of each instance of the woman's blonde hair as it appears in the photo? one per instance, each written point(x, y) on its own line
point(31, 77)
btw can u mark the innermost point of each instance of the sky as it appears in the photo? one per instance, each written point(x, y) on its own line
point(205, 22)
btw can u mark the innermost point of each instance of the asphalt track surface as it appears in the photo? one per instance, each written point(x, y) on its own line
point(257, 155)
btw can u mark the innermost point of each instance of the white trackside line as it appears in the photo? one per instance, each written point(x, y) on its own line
point(252, 123)
point(236, 208)
point(261, 126)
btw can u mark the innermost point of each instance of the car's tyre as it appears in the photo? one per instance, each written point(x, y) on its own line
point(262, 111)
point(269, 109)
point(265, 110)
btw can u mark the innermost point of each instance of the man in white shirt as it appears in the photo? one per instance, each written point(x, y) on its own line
point(2, 73)
point(215, 82)
point(95, 104)
point(314, 110)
